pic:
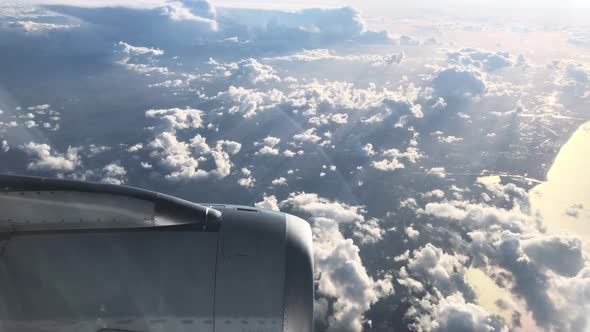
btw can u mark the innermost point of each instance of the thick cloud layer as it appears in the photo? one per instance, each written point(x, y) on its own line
point(341, 276)
point(412, 156)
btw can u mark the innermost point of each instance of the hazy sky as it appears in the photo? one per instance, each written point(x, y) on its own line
point(334, 3)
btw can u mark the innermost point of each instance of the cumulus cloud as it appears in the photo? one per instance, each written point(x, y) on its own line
point(249, 102)
point(114, 173)
point(560, 253)
point(247, 180)
point(449, 139)
point(438, 172)
point(140, 59)
point(480, 59)
point(182, 158)
point(305, 28)
point(388, 165)
point(4, 146)
point(269, 203)
point(441, 270)
point(477, 215)
point(44, 159)
point(536, 266)
point(199, 11)
point(281, 181)
point(340, 274)
point(308, 136)
point(412, 233)
point(509, 192)
point(437, 281)
point(458, 82)
point(412, 154)
point(268, 146)
point(392, 156)
point(454, 314)
point(139, 50)
point(247, 71)
point(369, 231)
point(176, 118)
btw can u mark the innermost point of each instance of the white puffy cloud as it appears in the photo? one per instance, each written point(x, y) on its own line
point(324, 119)
point(93, 150)
point(560, 253)
point(368, 150)
point(248, 180)
point(176, 83)
point(267, 150)
point(309, 27)
point(453, 314)
point(43, 159)
point(114, 173)
point(181, 158)
point(412, 154)
point(508, 192)
point(481, 59)
point(176, 156)
point(458, 82)
point(177, 118)
point(437, 193)
point(449, 139)
point(308, 136)
point(435, 280)
point(247, 71)
point(271, 140)
point(281, 181)
point(140, 59)
point(139, 50)
point(369, 231)
point(249, 102)
point(268, 147)
point(268, 202)
point(412, 233)
point(135, 147)
point(391, 161)
point(340, 275)
point(221, 157)
point(388, 165)
point(573, 296)
point(441, 270)
point(438, 172)
point(4, 146)
point(289, 153)
point(199, 11)
point(476, 215)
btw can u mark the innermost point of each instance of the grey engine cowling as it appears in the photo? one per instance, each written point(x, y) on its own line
point(93, 257)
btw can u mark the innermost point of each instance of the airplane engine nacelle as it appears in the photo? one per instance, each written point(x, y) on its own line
point(91, 257)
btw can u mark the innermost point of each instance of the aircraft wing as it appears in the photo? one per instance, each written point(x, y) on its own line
point(77, 256)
